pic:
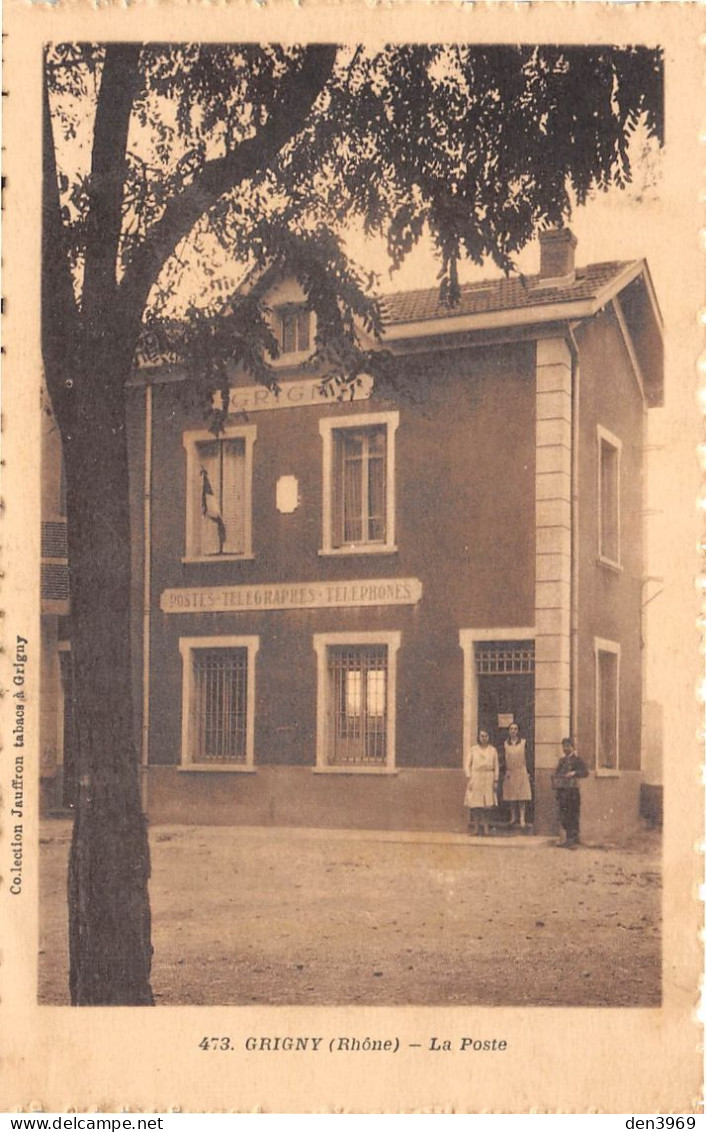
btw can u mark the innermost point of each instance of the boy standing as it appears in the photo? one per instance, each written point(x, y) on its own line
point(570, 769)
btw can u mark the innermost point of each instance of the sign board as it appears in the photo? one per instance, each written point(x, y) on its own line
point(295, 395)
point(292, 595)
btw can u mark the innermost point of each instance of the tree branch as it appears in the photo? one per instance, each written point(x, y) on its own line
point(119, 84)
point(218, 176)
point(59, 311)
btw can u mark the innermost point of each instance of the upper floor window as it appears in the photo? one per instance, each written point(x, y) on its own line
point(359, 483)
point(609, 448)
point(293, 330)
point(219, 494)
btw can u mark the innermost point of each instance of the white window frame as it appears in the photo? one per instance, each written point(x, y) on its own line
point(600, 645)
point(467, 639)
point(296, 357)
point(187, 646)
point(191, 441)
point(327, 427)
point(322, 643)
point(603, 436)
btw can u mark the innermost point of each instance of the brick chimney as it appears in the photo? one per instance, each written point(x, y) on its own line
point(556, 254)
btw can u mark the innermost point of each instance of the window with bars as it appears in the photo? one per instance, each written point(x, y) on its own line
point(219, 705)
point(55, 581)
point(54, 540)
point(608, 497)
point(607, 701)
point(54, 570)
point(358, 693)
point(219, 472)
point(218, 702)
point(503, 658)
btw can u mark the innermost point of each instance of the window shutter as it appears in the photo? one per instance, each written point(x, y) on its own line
point(303, 332)
point(206, 531)
point(233, 499)
point(337, 490)
point(289, 332)
point(377, 484)
point(352, 488)
point(610, 502)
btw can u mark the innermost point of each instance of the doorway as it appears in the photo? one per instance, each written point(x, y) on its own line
point(504, 673)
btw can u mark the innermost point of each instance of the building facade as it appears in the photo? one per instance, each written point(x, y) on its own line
point(332, 597)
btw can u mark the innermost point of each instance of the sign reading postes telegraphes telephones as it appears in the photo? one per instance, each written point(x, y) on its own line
point(292, 595)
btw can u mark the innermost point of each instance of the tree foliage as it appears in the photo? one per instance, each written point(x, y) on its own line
point(475, 147)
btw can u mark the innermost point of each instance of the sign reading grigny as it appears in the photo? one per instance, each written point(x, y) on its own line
point(294, 395)
point(293, 595)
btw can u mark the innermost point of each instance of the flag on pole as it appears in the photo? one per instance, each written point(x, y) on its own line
point(210, 508)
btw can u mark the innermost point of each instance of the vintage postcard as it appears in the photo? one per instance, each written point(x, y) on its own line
point(352, 714)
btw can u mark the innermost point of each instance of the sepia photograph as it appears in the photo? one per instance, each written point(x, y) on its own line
point(345, 589)
point(358, 461)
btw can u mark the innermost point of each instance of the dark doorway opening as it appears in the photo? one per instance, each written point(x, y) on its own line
point(505, 680)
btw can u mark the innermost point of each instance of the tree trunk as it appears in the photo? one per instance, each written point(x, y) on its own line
point(109, 915)
point(88, 351)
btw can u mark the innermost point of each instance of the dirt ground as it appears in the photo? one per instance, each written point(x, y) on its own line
point(274, 916)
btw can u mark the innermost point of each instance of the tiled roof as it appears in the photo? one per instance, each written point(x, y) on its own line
point(162, 346)
point(498, 295)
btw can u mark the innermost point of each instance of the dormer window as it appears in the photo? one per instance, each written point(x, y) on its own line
point(293, 330)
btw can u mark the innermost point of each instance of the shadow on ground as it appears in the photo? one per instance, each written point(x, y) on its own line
point(273, 916)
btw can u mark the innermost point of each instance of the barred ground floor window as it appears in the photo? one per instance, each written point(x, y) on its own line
point(356, 697)
point(218, 704)
point(356, 701)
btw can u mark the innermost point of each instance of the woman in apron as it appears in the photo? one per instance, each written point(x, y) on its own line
point(482, 769)
point(516, 783)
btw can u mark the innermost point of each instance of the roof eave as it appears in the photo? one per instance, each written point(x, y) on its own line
point(520, 316)
point(489, 320)
point(555, 312)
